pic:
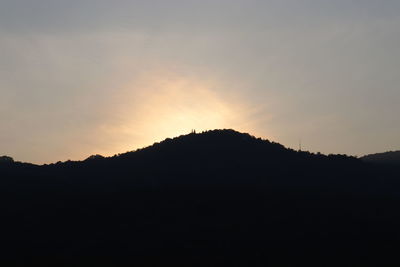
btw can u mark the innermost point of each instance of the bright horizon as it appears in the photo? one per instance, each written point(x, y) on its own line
point(99, 77)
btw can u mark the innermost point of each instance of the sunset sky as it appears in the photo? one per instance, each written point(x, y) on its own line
point(103, 77)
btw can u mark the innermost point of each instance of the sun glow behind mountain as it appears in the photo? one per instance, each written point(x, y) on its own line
point(169, 105)
point(86, 77)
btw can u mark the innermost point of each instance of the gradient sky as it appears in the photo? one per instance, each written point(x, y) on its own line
point(95, 76)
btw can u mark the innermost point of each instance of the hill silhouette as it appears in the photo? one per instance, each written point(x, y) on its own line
point(390, 157)
point(218, 198)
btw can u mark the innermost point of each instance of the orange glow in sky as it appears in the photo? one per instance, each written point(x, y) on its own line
point(169, 105)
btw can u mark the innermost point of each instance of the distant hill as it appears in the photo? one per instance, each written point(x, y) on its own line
point(217, 198)
point(391, 157)
point(6, 159)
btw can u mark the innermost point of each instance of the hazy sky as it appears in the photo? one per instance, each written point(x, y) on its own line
point(95, 76)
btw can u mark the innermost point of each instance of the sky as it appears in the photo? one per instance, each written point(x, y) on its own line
point(103, 77)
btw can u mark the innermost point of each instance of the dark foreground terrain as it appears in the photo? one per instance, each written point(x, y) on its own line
point(219, 198)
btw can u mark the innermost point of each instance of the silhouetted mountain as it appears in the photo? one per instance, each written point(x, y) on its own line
point(391, 157)
point(6, 159)
point(219, 198)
